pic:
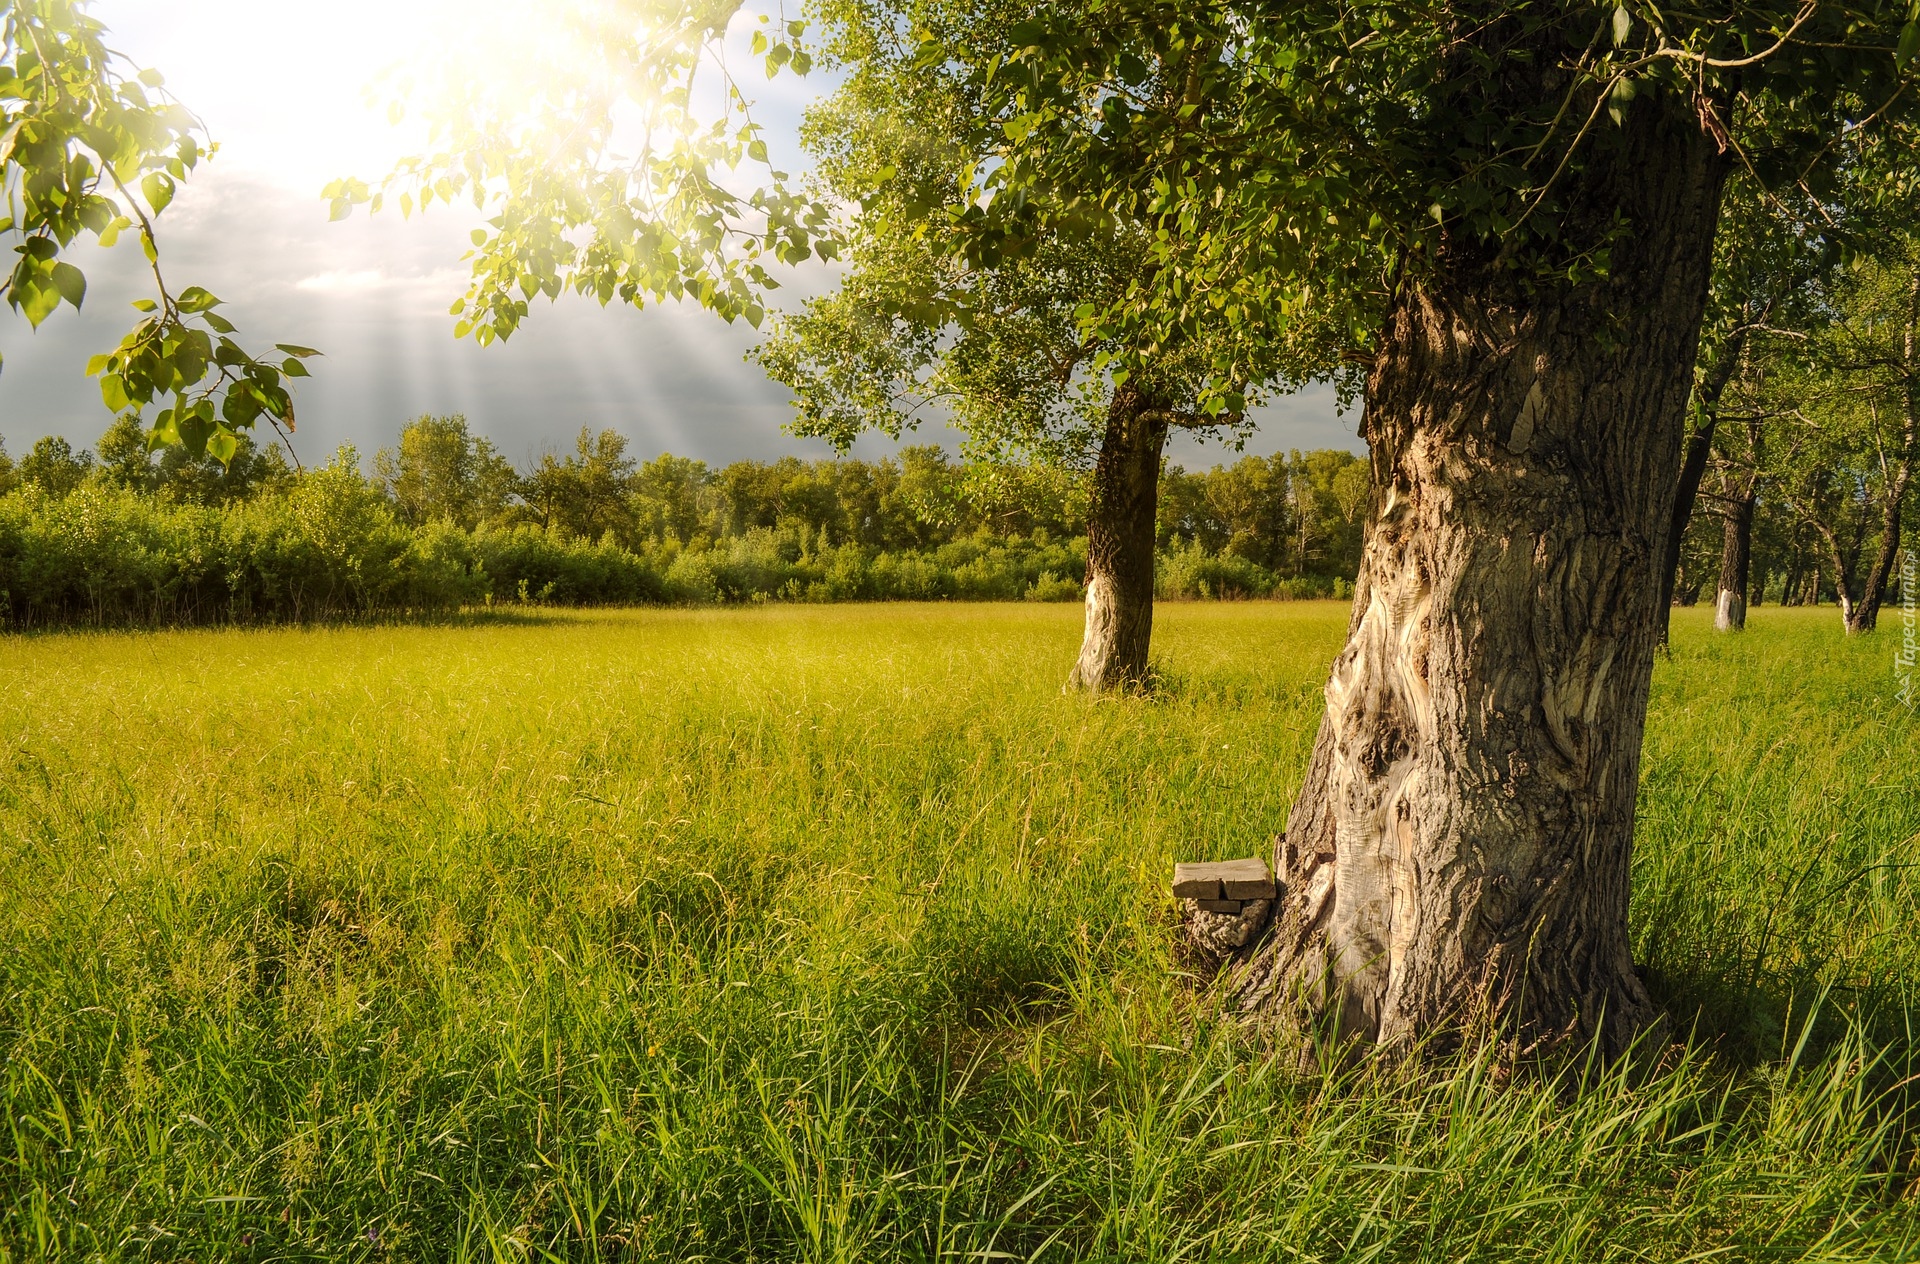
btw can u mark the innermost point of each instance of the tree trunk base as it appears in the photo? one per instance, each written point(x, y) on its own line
point(1457, 864)
point(1122, 519)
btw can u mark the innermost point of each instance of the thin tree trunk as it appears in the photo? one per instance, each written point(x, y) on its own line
point(1736, 559)
point(1844, 561)
point(1707, 395)
point(1865, 614)
point(1459, 853)
point(1692, 467)
point(1120, 532)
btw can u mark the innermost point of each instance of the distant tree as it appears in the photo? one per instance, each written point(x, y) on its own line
point(1243, 509)
point(441, 470)
point(9, 475)
point(668, 499)
point(251, 470)
point(54, 467)
point(1846, 470)
point(585, 494)
point(126, 457)
point(174, 473)
point(995, 339)
point(1772, 254)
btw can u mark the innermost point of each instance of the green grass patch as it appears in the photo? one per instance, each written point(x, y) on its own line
point(841, 933)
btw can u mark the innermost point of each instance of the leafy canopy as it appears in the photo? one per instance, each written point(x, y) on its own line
point(1327, 153)
point(993, 337)
point(87, 148)
point(604, 146)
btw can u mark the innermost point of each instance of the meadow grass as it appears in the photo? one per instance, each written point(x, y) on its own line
point(840, 933)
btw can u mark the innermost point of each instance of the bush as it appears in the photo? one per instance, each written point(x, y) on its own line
point(1051, 587)
point(1194, 572)
point(330, 544)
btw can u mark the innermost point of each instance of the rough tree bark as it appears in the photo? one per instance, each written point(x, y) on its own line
point(1736, 561)
point(1121, 520)
point(1459, 852)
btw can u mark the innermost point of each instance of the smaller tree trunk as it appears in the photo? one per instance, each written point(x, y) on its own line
point(1736, 557)
point(1865, 614)
point(1120, 531)
point(1692, 468)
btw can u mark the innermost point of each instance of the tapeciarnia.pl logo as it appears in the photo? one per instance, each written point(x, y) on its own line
point(1909, 648)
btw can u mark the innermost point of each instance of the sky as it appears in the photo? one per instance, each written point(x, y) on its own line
point(285, 88)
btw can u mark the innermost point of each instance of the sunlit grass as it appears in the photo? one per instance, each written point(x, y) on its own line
point(841, 933)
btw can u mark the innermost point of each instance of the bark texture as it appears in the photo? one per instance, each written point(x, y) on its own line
point(1121, 520)
point(1459, 852)
point(1736, 562)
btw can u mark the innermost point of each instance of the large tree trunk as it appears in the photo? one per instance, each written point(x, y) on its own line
point(1120, 530)
point(1736, 561)
point(1458, 856)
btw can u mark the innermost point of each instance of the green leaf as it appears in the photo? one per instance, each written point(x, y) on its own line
point(113, 392)
point(294, 349)
point(71, 282)
point(158, 190)
point(479, 236)
point(164, 434)
point(1909, 45)
point(221, 445)
point(35, 299)
point(145, 305)
point(293, 368)
point(195, 299)
point(1622, 24)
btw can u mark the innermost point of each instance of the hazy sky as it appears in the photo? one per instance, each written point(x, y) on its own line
point(280, 85)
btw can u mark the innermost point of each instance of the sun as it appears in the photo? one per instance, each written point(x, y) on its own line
point(297, 91)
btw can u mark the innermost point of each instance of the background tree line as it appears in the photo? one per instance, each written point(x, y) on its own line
point(118, 534)
point(1807, 420)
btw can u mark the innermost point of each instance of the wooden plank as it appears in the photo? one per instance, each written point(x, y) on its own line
point(1247, 879)
point(1195, 882)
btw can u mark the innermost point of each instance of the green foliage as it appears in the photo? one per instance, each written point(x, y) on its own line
point(53, 468)
point(1324, 156)
point(1298, 516)
point(442, 471)
point(77, 133)
point(544, 141)
point(446, 523)
point(824, 934)
point(1001, 332)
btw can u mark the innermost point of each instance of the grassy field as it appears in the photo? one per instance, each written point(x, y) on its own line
point(840, 933)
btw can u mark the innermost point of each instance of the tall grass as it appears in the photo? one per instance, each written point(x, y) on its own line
point(839, 933)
